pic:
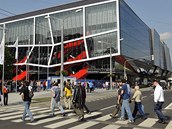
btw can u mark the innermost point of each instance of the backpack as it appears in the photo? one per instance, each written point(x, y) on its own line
point(31, 94)
point(5, 90)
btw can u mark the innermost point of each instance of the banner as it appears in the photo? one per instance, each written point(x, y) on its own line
point(2, 52)
point(16, 46)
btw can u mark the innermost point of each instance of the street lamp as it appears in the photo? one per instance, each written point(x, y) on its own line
point(110, 71)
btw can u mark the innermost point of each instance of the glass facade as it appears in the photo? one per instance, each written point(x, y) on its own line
point(101, 18)
point(23, 30)
point(90, 34)
point(135, 33)
point(156, 47)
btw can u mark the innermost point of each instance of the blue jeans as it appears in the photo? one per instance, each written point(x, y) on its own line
point(27, 110)
point(53, 104)
point(157, 109)
point(138, 107)
point(126, 107)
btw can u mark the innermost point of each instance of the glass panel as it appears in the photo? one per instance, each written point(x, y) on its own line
point(72, 51)
point(21, 29)
point(40, 55)
point(22, 53)
point(42, 31)
point(72, 22)
point(101, 18)
point(100, 45)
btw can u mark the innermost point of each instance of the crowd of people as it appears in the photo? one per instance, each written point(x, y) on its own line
point(75, 98)
point(123, 111)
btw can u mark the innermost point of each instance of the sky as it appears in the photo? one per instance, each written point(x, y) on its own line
point(155, 13)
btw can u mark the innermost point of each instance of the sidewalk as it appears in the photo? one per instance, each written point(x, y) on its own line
point(15, 98)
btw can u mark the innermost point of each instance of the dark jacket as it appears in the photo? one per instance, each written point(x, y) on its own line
point(79, 97)
point(25, 92)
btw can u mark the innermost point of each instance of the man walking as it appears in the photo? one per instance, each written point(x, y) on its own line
point(125, 103)
point(159, 100)
point(119, 101)
point(137, 98)
point(79, 97)
point(55, 99)
point(26, 102)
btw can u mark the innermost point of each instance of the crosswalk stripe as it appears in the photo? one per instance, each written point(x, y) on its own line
point(11, 117)
point(92, 114)
point(45, 120)
point(20, 115)
point(149, 122)
point(104, 118)
point(85, 125)
point(18, 112)
point(169, 125)
point(35, 117)
point(111, 127)
point(59, 124)
point(121, 122)
point(9, 114)
point(69, 121)
point(15, 108)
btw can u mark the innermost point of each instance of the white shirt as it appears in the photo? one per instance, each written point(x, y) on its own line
point(158, 94)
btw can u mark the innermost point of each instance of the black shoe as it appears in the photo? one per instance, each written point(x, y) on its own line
point(159, 121)
point(64, 114)
point(112, 116)
point(163, 122)
point(32, 121)
point(80, 118)
point(89, 112)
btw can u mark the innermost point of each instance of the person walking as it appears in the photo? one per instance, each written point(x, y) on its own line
point(79, 97)
point(125, 103)
point(55, 99)
point(138, 104)
point(5, 94)
point(0, 97)
point(68, 96)
point(159, 100)
point(26, 101)
point(119, 101)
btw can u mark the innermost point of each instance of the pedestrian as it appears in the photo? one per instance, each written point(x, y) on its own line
point(26, 101)
point(68, 96)
point(0, 97)
point(5, 94)
point(79, 97)
point(55, 99)
point(159, 100)
point(119, 101)
point(125, 103)
point(138, 104)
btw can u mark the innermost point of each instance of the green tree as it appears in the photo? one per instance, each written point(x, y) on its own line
point(8, 63)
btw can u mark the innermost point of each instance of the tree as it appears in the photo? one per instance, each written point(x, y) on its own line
point(8, 63)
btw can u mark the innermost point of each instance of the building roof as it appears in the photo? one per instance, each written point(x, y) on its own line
point(51, 9)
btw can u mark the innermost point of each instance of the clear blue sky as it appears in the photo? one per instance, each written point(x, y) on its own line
point(155, 13)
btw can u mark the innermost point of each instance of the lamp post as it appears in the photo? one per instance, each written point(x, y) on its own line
point(110, 71)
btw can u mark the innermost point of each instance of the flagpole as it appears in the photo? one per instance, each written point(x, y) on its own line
point(3, 58)
point(16, 57)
